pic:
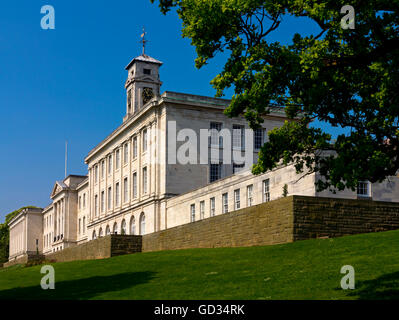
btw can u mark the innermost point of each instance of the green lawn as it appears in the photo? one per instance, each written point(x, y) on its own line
point(301, 270)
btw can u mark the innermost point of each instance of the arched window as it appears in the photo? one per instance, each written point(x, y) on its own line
point(100, 233)
point(115, 229)
point(107, 231)
point(132, 226)
point(142, 224)
point(123, 227)
point(94, 235)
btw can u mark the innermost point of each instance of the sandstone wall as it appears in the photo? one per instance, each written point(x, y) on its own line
point(264, 224)
point(330, 217)
point(284, 220)
point(105, 247)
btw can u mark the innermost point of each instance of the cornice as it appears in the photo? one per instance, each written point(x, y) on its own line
point(154, 102)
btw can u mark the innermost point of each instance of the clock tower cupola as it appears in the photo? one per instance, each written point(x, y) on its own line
point(143, 82)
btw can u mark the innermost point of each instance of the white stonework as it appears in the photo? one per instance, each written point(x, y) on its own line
point(134, 187)
point(26, 233)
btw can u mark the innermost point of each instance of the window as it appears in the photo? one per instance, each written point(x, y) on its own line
point(100, 233)
point(93, 236)
point(123, 227)
point(238, 137)
point(215, 138)
point(132, 226)
point(110, 164)
point(215, 172)
point(142, 224)
point(84, 225)
point(107, 231)
point(84, 201)
point(125, 190)
point(80, 202)
point(109, 198)
point(212, 207)
point(202, 210)
point(134, 185)
point(135, 147)
point(147, 71)
point(117, 194)
point(96, 173)
point(102, 169)
point(237, 167)
point(80, 222)
point(192, 212)
point(117, 159)
point(250, 199)
point(259, 137)
point(96, 205)
point(115, 229)
point(126, 153)
point(363, 189)
point(129, 99)
point(225, 203)
point(145, 140)
point(237, 199)
point(102, 201)
point(266, 190)
point(145, 180)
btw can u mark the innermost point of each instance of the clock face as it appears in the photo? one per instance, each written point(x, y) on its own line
point(147, 95)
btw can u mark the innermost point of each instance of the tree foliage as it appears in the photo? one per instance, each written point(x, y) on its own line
point(345, 78)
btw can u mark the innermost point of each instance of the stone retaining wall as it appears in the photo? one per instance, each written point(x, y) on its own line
point(316, 217)
point(263, 224)
point(101, 248)
point(24, 259)
point(284, 220)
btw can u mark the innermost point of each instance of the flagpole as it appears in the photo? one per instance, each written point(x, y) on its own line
point(66, 157)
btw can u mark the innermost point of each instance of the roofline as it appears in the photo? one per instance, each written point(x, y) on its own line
point(23, 212)
point(76, 176)
point(131, 62)
point(126, 123)
point(170, 96)
point(157, 62)
point(85, 181)
point(153, 102)
point(48, 207)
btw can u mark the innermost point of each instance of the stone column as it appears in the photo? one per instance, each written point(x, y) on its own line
point(130, 174)
point(139, 163)
point(62, 217)
point(55, 220)
point(59, 218)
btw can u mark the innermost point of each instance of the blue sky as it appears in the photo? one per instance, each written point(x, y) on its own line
point(68, 83)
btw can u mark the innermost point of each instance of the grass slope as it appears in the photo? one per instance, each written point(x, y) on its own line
point(302, 270)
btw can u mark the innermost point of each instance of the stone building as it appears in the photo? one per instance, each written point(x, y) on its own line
point(26, 233)
point(176, 158)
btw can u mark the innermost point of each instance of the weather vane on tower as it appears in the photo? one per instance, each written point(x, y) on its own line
point(143, 40)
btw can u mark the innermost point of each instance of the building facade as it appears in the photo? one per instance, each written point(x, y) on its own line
point(175, 158)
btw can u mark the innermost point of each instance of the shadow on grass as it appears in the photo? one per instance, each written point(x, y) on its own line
point(385, 287)
point(80, 289)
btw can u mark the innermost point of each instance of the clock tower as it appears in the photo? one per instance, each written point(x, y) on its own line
point(142, 84)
